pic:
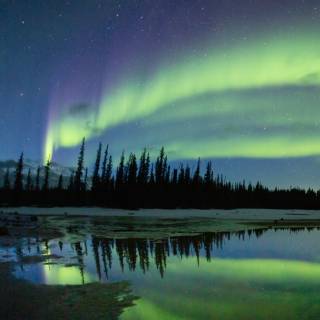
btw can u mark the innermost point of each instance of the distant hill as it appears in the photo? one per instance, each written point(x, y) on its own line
point(56, 170)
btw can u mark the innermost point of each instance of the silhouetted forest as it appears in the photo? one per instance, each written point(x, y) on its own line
point(140, 183)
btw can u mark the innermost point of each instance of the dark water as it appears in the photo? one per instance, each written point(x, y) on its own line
point(268, 273)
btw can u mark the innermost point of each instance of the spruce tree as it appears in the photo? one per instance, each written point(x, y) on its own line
point(167, 175)
point(6, 181)
point(60, 183)
point(108, 173)
point(45, 186)
point(187, 175)
point(79, 171)
point(146, 169)
point(85, 180)
point(120, 176)
point(29, 181)
point(142, 167)
point(160, 167)
point(143, 173)
point(208, 177)
point(71, 182)
point(174, 177)
point(196, 177)
point(152, 178)
point(96, 177)
point(181, 175)
point(164, 169)
point(37, 186)
point(132, 169)
point(104, 168)
point(19, 175)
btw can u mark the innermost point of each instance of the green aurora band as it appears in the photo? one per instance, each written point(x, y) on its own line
point(191, 88)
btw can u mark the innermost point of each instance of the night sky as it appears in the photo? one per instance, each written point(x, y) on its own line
point(233, 81)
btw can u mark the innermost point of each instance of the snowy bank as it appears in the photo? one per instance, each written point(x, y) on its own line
point(236, 214)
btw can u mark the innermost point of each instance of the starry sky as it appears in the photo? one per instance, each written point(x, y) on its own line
point(233, 81)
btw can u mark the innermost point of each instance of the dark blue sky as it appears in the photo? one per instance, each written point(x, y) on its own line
point(233, 81)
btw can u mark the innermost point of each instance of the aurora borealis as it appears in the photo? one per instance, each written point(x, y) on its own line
point(234, 82)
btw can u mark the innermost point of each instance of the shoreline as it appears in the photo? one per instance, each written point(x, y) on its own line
point(219, 214)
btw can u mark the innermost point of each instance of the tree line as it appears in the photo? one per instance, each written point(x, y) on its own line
point(140, 183)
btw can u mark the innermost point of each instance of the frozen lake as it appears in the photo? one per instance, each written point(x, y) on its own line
point(192, 268)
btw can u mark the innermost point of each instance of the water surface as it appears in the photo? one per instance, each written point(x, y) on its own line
point(180, 273)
